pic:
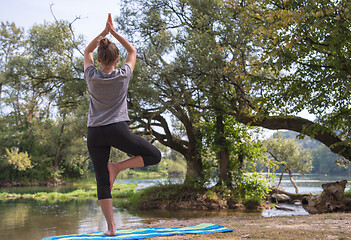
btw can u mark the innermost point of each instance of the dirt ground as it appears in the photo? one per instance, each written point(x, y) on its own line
point(323, 226)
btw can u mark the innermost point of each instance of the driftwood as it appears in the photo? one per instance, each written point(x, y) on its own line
point(332, 199)
point(284, 208)
point(279, 196)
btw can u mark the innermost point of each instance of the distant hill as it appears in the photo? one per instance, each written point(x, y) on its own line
point(324, 160)
point(306, 141)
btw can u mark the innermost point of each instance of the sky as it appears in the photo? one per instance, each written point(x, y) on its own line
point(93, 14)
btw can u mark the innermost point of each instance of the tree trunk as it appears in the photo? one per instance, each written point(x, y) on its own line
point(194, 167)
point(281, 177)
point(57, 159)
point(332, 199)
point(223, 152)
point(60, 144)
point(193, 170)
point(293, 182)
point(301, 125)
point(224, 167)
point(191, 149)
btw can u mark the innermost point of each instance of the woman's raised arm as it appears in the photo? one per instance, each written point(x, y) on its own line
point(131, 57)
point(88, 52)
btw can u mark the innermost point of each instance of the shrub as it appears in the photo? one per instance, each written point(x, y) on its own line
point(252, 186)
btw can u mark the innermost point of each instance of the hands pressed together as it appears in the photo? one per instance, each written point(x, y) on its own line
point(109, 25)
point(109, 28)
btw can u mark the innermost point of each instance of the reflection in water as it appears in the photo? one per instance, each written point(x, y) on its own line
point(15, 215)
point(35, 220)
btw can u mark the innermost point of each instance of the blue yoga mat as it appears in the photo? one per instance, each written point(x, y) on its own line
point(141, 233)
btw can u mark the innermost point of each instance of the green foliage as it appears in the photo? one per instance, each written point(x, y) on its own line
point(236, 140)
point(307, 45)
point(196, 53)
point(118, 190)
point(42, 98)
point(167, 192)
point(252, 186)
point(323, 160)
point(170, 167)
point(289, 154)
point(19, 161)
point(348, 191)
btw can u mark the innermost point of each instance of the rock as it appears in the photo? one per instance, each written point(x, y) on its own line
point(332, 199)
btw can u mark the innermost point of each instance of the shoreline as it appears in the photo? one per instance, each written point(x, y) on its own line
point(319, 226)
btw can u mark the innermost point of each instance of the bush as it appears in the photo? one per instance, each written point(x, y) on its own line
point(252, 186)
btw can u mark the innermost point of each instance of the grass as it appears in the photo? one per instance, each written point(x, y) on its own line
point(181, 196)
point(152, 195)
point(119, 190)
point(139, 174)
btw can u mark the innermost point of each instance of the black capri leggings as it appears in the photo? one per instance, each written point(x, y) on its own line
point(118, 135)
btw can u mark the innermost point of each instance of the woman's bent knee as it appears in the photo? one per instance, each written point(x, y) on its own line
point(157, 159)
point(152, 160)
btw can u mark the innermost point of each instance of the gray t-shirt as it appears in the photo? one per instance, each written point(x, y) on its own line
point(108, 95)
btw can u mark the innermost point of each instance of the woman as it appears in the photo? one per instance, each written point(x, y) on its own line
point(108, 117)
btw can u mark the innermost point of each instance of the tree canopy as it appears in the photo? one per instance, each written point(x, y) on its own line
point(307, 47)
point(43, 99)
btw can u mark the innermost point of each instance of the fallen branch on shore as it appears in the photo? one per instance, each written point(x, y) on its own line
point(285, 208)
point(279, 195)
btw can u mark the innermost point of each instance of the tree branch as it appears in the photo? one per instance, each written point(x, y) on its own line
point(300, 125)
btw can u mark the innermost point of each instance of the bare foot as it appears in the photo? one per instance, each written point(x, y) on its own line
point(110, 232)
point(113, 171)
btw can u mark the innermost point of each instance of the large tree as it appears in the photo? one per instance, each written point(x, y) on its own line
point(306, 44)
point(183, 72)
point(224, 56)
point(164, 86)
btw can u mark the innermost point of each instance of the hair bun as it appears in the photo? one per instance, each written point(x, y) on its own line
point(104, 43)
point(108, 52)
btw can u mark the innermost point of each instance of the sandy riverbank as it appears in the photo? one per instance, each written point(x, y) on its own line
point(323, 226)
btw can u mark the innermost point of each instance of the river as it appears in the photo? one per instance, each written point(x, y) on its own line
point(31, 219)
